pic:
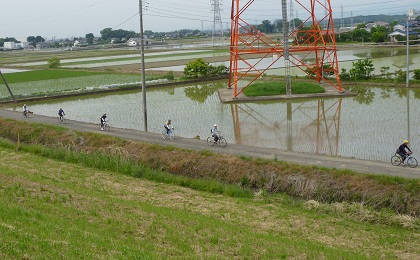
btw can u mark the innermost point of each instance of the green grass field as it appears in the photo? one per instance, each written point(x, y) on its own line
point(51, 209)
point(37, 75)
point(271, 88)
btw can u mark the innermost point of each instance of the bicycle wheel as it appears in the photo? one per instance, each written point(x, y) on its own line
point(222, 142)
point(107, 127)
point(396, 160)
point(412, 162)
point(164, 135)
point(171, 135)
point(210, 141)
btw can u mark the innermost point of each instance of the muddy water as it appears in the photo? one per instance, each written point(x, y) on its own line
point(369, 126)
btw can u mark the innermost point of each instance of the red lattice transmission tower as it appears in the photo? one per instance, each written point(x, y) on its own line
point(310, 46)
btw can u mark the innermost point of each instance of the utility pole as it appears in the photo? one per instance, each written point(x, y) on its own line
point(143, 76)
point(286, 48)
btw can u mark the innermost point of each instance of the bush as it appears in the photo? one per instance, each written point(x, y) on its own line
point(169, 75)
point(344, 75)
point(54, 63)
point(400, 76)
point(362, 69)
point(416, 74)
point(199, 67)
point(196, 68)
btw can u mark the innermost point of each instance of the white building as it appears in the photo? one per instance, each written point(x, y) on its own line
point(10, 46)
point(15, 45)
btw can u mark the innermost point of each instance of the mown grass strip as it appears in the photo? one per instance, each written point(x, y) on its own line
point(270, 88)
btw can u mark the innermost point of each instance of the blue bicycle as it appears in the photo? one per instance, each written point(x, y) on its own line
point(396, 160)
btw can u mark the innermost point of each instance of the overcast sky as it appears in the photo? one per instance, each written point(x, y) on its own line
point(74, 18)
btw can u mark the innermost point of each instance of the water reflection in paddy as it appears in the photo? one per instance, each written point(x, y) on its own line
point(369, 126)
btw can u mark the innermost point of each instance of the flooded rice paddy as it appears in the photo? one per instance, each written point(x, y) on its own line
point(369, 126)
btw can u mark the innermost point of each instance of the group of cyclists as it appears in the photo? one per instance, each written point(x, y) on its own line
point(403, 150)
point(214, 131)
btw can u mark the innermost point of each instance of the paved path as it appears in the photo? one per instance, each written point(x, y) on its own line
point(362, 166)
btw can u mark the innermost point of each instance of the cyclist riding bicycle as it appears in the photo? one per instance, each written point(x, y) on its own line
point(168, 126)
point(25, 110)
point(215, 133)
point(104, 119)
point(61, 114)
point(402, 151)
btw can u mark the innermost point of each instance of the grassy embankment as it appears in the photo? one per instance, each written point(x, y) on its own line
point(66, 194)
point(323, 185)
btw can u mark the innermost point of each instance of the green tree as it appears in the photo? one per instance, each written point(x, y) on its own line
point(196, 68)
point(360, 34)
point(89, 38)
point(34, 40)
point(362, 69)
point(378, 34)
point(54, 63)
point(107, 34)
point(266, 27)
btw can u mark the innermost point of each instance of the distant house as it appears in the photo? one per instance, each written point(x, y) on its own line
point(9, 46)
point(41, 45)
point(371, 25)
point(132, 42)
point(401, 29)
point(15, 45)
point(80, 42)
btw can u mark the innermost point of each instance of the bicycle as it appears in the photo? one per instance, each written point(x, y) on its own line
point(105, 126)
point(396, 160)
point(62, 119)
point(168, 134)
point(220, 142)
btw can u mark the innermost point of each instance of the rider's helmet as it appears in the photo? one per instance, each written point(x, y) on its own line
point(406, 141)
point(215, 125)
point(169, 120)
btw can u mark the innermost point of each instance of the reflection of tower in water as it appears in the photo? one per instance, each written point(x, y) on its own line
point(312, 127)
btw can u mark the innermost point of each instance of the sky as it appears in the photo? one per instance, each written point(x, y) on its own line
point(66, 19)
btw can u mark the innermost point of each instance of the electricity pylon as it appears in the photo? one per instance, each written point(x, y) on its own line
point(217, 29)
point(312, 46)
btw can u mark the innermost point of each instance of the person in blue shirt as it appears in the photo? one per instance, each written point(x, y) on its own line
point(61, 114)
